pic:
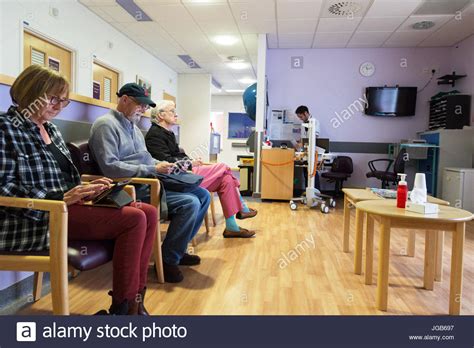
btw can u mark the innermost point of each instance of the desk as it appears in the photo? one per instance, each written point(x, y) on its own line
point(352, 197)
point(448, 219)
point(277, 173)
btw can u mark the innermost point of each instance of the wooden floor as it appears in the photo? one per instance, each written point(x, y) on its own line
point(276, 273)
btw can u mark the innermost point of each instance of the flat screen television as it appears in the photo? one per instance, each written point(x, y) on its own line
point(390, 101)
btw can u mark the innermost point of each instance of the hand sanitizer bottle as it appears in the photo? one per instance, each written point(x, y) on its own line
point(402, 191)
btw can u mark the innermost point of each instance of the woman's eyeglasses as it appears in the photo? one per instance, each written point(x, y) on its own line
point(54, 100)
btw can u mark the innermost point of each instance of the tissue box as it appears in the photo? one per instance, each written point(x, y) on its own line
point(422, 208)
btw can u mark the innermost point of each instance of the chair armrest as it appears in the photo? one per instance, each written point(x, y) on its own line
point(372, 166)
point(58, 218)
point(153, 183)
point(51, 206)
point(130, 189)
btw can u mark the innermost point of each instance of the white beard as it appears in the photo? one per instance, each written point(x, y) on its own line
point(135, 118)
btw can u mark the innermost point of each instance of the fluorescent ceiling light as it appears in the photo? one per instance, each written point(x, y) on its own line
point(225, 40)
point(247, 80)
point(238, 65)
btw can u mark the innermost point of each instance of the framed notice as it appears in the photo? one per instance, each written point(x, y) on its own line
point(145, 84)
point(96, 90)
point(53, 63)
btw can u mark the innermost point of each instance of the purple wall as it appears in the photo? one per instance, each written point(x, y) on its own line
point(76, 111)
point(462, 61)
point(330, 82)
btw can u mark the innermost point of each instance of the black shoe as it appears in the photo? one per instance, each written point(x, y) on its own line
point(190, 260)
point(172, 273)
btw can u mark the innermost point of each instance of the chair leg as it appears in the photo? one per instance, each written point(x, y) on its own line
point(213, 210)
point(37, 285)
point(157, 254)
point(59, 288)
point(206, 222)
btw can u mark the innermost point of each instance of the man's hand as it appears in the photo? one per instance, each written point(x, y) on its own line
point(165, 167)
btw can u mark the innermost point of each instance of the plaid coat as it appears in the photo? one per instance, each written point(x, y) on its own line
point(28, 170)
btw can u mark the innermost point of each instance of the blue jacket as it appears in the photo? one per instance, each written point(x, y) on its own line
point(118, 146)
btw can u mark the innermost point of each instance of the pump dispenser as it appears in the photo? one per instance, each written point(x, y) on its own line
point(402, 191)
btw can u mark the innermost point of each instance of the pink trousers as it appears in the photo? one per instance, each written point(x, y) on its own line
point(218, 178)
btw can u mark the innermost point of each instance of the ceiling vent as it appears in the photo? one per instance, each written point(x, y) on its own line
point(424, 25)
point(235, 59)
point(345, 9)
point(441, 7)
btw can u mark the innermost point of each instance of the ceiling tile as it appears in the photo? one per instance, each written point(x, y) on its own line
point(118, 14)
point(295, 40)
point(331, 39)
point(219, 27)
point(165, 12)
point(338, 24)
point(368, 38)
point(406, 38)
point(395, 8)
point(263, 10)
point(210, 12)
point(380, 23)
point(299, 10)
point(257, 27)
point(296, 26)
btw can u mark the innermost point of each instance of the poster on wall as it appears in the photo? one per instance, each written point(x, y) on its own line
point(240, 125)
point(145, 84)
point(96, 90)
point(53, 63)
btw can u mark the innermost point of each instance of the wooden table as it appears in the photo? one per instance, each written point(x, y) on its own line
point(351, 198)
point(448, 219)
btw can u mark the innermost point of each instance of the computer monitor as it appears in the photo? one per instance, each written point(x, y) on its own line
point(286, 144)
point(323, 142)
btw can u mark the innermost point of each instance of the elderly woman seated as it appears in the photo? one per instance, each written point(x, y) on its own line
point(35, 163)
point(161, 143)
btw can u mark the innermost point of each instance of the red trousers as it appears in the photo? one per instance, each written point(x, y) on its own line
point(133, 228)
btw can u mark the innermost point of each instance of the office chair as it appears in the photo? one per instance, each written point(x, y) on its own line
point(89, 170)
point(341, 170)
point(387, 176)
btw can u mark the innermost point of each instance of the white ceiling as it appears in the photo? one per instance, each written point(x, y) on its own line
point(189, 26)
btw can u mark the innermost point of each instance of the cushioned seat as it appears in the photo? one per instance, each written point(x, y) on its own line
point(82, 255)
point(86, 255)
point(341, 170)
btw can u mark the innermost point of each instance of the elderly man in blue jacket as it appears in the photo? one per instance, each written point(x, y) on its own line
point(118, 146)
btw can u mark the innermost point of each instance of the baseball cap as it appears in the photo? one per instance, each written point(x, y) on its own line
point(139, 93)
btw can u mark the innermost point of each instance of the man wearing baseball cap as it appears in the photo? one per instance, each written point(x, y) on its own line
point(118, 146)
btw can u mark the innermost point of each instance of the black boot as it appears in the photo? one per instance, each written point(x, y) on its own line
point(141, 302)
point(126, 307)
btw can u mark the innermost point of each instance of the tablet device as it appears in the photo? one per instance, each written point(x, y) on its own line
point(114, 197)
